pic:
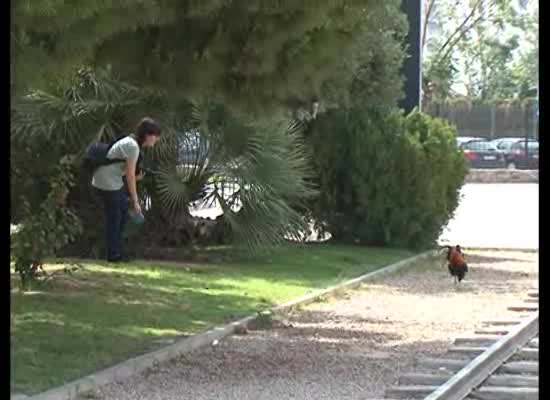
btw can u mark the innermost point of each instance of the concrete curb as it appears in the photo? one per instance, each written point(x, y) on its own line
point(518, 249)
point(139, 364)
point(502, 176)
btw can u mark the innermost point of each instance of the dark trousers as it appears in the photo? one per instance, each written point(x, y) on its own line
point(116, 214)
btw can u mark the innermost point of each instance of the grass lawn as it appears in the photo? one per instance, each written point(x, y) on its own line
point(102, 314)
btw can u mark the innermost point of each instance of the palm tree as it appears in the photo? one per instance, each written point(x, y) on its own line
point(258, 175)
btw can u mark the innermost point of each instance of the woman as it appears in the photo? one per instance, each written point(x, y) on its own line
point(108, 180)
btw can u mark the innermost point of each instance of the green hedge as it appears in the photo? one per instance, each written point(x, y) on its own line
point(386, 178)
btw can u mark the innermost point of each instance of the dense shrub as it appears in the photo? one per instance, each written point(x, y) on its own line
point(386, 178)
point(46, 228)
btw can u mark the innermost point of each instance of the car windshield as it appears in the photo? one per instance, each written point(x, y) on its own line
point(504, 144)
point(530, 145)
point(480, 145)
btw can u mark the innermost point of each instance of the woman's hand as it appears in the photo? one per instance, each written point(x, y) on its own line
point(136, 207)
point(140, 176)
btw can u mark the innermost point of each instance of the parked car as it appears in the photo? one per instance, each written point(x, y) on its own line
point(481, 153)
point(460, 140)
point(504, 143)
point(191, 147)
point(514, 152)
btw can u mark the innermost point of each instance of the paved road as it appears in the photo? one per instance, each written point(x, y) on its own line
point(496, 215)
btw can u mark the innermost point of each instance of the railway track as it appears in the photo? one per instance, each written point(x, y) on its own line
point(499, 362)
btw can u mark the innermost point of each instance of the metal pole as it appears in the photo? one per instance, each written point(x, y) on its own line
point(536, 116)
point(493, 119)
point(526, 111)
point(412, 67)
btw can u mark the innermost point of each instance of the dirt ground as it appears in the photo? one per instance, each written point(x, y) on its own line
point(350, 347)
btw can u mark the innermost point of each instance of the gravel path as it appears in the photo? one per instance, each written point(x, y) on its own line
point(352, 347)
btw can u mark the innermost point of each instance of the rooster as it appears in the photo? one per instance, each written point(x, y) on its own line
point(456, 263)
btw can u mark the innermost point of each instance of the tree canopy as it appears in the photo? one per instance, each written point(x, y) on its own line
point(253, 54)
point(227, 70)
point(488, 47)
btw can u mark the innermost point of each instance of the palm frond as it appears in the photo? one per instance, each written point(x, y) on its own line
point(258, 183)
point(73, 115)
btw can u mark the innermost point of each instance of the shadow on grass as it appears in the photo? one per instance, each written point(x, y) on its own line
point(299, 266)
point(103, 314)
point(79, 335)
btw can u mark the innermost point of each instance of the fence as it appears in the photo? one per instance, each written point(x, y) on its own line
point(512, 119)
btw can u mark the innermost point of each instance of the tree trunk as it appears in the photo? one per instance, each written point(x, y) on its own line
point(429, 7)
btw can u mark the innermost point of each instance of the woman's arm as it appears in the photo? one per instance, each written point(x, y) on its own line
point(131, 181)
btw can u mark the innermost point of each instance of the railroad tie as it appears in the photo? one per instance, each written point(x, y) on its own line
point(410, 392)
point(474, 341)
point(504, 393)
point(502, 322)
point(512, 380)
point(527, 354)
point(524, 307)
point(520, 367)
point(492, 331)
point(443, 365)
point(423, 379)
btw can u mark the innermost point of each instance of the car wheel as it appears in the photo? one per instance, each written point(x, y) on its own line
point(511, 166)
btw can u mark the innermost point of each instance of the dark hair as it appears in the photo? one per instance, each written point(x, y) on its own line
point(147, 126)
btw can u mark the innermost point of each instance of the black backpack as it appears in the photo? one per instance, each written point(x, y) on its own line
point(96, 156)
